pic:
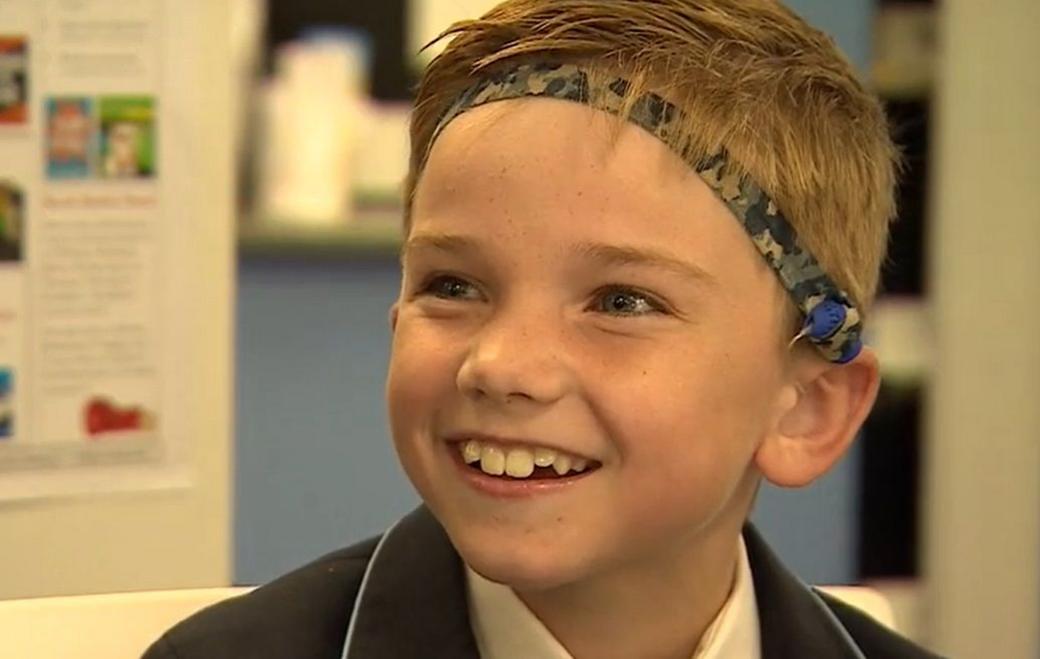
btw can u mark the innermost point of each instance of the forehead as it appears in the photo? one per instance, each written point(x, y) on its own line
point(548, 147)
point(539, 172)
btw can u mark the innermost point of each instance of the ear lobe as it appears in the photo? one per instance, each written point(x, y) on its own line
point(393, 317)
point(818, 419)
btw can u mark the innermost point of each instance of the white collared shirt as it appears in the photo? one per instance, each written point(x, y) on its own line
point(506, 629)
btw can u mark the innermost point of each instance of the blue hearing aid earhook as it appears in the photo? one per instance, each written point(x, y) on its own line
point(824, 321)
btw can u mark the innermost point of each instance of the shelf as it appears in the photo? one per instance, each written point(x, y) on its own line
point(373, 234)
point(905, 51)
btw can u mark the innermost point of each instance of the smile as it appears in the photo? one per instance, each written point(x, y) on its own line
point(519, 462)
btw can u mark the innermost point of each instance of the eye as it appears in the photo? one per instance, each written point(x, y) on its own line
point(622, 301)
point(448, 287)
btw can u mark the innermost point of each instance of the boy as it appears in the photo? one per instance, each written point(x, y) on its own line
point(640, 236)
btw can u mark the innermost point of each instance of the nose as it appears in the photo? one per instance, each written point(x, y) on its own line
point(516, 357)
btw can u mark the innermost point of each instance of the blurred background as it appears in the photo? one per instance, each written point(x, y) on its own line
point(937, 505)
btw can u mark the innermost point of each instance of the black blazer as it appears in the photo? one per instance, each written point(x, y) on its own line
point(403, 596)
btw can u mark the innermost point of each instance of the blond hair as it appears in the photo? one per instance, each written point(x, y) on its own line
point(751, 77)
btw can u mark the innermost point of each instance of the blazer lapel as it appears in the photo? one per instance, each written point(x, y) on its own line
point(794, 621)
point(412, 602)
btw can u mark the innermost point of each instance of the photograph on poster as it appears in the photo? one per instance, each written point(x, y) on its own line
point(127, 136)
point(70, 137)
point(14, 79)
point(12, 221)
point(6, 403)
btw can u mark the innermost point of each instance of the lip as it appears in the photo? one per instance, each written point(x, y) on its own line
point(508, 488)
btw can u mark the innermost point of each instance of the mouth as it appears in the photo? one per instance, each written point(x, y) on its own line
point(501, 468)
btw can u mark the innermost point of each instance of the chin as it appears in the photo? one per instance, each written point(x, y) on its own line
point(520, 563)
point(520, 573)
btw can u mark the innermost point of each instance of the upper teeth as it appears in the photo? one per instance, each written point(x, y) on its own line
point(518, 462)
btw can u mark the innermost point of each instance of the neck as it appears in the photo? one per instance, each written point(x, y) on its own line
point(659, 608)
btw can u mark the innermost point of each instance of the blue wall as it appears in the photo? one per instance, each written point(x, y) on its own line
point(315, 469)
point(850, 22)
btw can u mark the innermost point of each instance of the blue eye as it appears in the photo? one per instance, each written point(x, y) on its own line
point(451, 288)
point(619, 301)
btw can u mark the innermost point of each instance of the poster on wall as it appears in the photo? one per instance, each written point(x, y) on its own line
point(84, 236)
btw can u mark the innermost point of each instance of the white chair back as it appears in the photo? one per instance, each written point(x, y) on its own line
point(111, 626)
point(123, 625)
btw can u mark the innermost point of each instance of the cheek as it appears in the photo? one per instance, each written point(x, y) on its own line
point(687, 431)
point(406, 375)
point(415, 388)
point(693, 450)
point(703, 396)
point(420, 376)
point(683, 473)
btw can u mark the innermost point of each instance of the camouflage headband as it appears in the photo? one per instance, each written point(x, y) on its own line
point(832, 322)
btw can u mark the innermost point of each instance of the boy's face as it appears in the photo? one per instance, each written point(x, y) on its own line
point(595, 298)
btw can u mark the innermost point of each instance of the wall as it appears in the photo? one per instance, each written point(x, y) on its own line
point(314, 463)
point(177, 537)
point(983, 491)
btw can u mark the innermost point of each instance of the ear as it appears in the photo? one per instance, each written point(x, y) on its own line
point(393, 317)
point(819, 413)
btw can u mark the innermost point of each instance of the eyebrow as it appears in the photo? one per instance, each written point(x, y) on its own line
point(441, 242)
point(603, 253)
point(615, 255)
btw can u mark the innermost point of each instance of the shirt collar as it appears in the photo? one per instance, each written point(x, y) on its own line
point(505, 628)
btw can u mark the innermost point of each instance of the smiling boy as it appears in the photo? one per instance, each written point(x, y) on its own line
point(640, 241)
